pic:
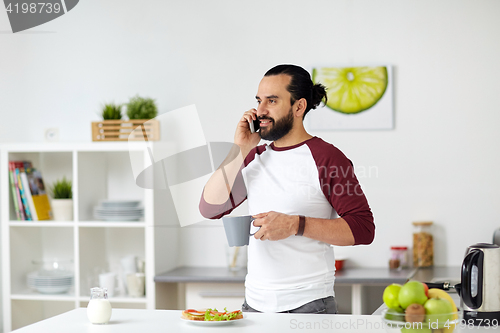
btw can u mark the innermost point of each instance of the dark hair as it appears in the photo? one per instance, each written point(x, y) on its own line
point(301, 85)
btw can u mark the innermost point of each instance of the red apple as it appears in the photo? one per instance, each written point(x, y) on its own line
point(426, 288)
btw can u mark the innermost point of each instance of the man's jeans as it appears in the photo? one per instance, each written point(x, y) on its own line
point(326, 305)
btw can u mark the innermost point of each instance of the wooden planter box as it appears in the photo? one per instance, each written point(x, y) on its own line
point(120, 130)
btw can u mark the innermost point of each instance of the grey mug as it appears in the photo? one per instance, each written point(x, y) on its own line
point(238, 229)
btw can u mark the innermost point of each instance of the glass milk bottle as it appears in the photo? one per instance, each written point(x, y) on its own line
point(99, 308)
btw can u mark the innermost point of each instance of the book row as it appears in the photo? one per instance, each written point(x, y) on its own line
point(31, 201)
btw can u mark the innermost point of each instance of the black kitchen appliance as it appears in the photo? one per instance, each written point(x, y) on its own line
point(480, 287)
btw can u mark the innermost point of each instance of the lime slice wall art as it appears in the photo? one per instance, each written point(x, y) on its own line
point(358, 98)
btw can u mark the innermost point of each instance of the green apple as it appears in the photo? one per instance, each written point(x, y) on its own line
point(390, 296)
point(438, 311)
point(412, 292)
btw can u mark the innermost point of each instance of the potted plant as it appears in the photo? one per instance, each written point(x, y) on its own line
point(140, 112)
point(141, 108)
point(111, 111)
point(62, 200)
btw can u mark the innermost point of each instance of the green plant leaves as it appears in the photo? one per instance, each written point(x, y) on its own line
point(62, 189)
point(141, 108)
point(112, 112)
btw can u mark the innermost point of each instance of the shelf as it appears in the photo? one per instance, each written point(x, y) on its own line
point(41, 223)
point(31, 295)
point(118, 299)
point(59, 147)
point(99, 171)
point(88, 224)
point(113, 224)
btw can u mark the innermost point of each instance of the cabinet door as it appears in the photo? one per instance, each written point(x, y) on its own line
point(215, 295)
point(27, 312)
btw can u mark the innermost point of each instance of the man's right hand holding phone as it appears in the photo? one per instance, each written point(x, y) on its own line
point(244, 137)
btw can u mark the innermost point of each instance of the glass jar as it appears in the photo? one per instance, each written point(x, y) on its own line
point(423, 245)
point(399, 258)
point(99, 308)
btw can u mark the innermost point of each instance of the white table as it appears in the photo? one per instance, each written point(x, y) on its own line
point(153, 321)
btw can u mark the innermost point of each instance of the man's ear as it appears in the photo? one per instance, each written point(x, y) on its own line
point(300, 107)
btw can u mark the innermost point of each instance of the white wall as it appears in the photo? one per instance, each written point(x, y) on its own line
point(439, 163)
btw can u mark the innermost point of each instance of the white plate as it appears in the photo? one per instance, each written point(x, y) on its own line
point(43, 283)
point(211, 323)
point(119, 212)
point(55, 290)
point(50, 284)
point(119, 203)
point(118, 218)
point(118, 209)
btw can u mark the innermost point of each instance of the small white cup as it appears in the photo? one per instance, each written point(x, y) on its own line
point(129, 264)
point(107, 280)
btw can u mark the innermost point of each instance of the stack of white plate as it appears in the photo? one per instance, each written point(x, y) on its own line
point(50, 281)
point(118, 210)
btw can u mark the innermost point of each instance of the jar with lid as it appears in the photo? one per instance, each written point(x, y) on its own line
point(399, 258)
point(99, 308)
point(423, 244)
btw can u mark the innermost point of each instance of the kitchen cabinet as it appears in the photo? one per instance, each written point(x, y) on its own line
point(214, 295)
point(358, 290)
point(98, 171)
point(205, 287)
point(354, 286)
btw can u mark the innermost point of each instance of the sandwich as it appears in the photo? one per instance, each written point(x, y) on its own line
point(211, 315)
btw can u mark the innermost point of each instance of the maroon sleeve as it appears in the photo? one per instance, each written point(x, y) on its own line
point(342, 189)
point(236, 197)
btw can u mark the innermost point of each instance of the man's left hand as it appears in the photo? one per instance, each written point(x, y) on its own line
point(275, 226)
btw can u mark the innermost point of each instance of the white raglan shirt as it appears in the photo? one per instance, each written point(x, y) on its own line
point(313, 179)
point(285, 274)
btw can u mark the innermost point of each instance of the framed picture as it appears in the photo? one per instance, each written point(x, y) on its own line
point(359, 98)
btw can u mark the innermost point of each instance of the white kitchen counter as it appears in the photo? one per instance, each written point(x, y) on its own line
point(152, 321)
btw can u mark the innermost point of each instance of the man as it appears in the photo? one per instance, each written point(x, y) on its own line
point(301, 191)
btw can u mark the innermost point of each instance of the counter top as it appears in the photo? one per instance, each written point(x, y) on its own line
point(345, 276)
point(366, 276)
point(202, 274)
point(438, 274)
point(153, 321)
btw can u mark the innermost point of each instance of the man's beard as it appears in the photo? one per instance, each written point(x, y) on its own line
point(279, 128)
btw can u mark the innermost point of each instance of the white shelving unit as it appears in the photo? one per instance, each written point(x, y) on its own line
point(98, 171)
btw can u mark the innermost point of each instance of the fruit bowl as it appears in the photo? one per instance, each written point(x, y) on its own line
point(394, 322)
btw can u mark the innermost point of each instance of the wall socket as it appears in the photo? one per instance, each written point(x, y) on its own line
point(51, 134)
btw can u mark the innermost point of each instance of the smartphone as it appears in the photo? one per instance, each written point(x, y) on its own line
point(254, 125)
